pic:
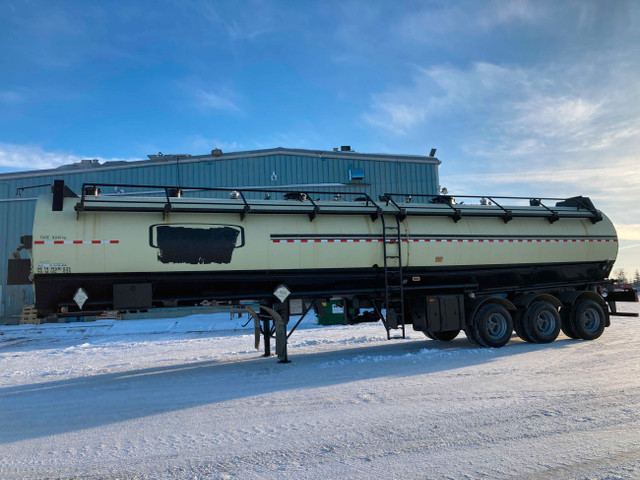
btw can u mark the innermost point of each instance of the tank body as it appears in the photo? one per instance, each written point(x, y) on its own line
point(191, 256)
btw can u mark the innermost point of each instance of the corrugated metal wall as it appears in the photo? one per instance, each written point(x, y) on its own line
point(380, 176)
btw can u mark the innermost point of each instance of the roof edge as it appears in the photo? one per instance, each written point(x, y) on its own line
point(117, 165)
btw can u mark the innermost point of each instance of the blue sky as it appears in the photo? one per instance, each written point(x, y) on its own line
point(519, 97)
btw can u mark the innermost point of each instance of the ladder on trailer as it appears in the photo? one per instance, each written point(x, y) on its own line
point(393, 277)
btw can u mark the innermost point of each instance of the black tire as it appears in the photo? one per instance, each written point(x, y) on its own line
point(541, 322)
point(428, 334)
point(492, 325)
point(588, 319)
point(443, 336)
point(472, 337)
point(517, 326)
point(565, 323)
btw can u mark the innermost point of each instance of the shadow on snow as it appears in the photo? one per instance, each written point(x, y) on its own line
point(50, 408)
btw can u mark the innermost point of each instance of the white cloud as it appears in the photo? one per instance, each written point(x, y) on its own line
point(33, 157)
point(510, 12)
point(555, 116)
point(440, 90)
point(207, 100)
point(396, 117)
point(210, 95)
point(434, 26)
point(505, 111)
point(248, 24)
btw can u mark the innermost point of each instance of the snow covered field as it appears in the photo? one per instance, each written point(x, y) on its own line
point(176, 398)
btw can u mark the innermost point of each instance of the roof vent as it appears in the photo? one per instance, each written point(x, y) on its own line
point(86, 163)
point(216, 152)
point(346, 148)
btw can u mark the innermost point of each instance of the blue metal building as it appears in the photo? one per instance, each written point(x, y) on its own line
point(342, 170)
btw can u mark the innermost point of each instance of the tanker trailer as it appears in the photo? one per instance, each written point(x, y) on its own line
point(439, 265)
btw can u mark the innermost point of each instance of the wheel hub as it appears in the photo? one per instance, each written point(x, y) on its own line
point(496, 325)
point(545, 323)
point(590, 320)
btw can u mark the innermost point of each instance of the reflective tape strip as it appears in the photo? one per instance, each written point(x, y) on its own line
point(388, 240)
point(76, 242)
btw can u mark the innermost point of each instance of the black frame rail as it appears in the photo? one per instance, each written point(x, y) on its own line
point(92, 201)
point(582, 207)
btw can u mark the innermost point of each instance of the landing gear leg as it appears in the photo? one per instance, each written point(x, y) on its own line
point(280, 331)
point(266, 328)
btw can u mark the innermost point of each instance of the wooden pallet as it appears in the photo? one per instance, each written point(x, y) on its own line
point(29, 316)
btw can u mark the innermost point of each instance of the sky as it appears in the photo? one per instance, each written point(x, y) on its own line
point(519, 97)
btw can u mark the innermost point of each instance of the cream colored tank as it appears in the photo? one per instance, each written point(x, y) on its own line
point(68, 242)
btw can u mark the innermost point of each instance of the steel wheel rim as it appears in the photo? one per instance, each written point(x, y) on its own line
point(496, 325)
point(590, 320)
point(545, 322)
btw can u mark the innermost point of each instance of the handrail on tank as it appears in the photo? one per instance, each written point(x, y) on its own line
point(456, 210)
point(402, 213)
point(508, 214)
point(19, 190)
point(175, 191)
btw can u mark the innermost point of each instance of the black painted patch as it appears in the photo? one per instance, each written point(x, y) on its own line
point(195, 243)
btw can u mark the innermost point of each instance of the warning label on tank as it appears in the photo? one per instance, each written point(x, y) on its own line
point(52, 268)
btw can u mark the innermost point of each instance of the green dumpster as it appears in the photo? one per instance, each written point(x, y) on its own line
point(333, 313)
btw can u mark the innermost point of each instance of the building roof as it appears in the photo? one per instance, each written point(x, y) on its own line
point(161, 159)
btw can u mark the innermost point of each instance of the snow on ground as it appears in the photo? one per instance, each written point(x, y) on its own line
point(179, 398)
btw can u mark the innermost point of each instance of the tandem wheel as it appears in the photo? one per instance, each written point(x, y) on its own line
point(491, 326)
